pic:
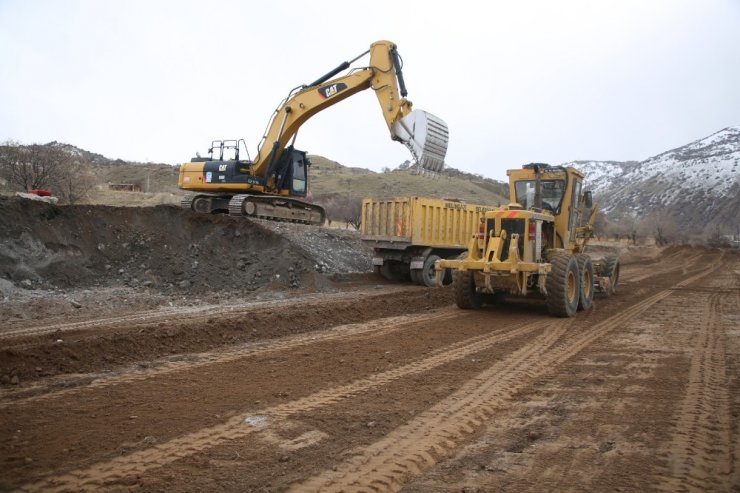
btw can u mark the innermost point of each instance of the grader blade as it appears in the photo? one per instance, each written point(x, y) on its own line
point(426, 136)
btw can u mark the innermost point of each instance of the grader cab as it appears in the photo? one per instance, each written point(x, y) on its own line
point(535, 246)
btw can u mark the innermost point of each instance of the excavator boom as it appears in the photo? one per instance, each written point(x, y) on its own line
point(425, 135)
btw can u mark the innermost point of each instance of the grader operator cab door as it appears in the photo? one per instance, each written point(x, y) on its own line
point(576, 186)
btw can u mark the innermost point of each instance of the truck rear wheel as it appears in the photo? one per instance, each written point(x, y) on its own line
point(395, 271)
point(586, 270)
point(610, 269)
point(427, 273)
point(465, 294)
point(563, 286)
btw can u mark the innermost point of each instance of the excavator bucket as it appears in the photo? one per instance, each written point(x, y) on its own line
point(426, 136)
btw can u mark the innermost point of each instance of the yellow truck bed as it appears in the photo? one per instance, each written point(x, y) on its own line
point(407, 232)
point(421, 221)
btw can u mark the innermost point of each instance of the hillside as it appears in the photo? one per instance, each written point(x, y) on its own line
point(692, 191)
point(331, 178)
point(693, 188)
point(330, 181)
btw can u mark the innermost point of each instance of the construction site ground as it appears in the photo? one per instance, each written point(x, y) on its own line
point(155, 350)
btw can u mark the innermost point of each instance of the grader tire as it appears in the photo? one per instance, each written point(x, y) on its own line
point(563, 286)
point(586, 270)
point(464, 286)
point(610, 269)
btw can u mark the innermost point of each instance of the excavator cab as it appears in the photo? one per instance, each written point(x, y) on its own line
point(292, 172)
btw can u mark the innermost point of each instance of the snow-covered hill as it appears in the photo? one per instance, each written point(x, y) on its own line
point(696, 185)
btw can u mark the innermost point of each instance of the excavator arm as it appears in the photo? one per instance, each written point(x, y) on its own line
point(426, 136)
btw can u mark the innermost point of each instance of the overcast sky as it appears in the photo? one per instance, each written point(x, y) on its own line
point(516, 81)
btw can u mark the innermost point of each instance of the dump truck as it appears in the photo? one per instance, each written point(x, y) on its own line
point(410, 234)
point(275, 184)
point(534, 246)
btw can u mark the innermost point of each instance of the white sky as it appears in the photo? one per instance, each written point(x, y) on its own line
point(516, 81)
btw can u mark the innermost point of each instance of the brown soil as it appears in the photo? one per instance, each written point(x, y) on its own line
point(354, 385)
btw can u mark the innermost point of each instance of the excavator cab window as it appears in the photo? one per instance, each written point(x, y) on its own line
point(299, 177)
point(552, 194)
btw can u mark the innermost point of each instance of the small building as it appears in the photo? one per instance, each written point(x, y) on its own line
point(125, 187)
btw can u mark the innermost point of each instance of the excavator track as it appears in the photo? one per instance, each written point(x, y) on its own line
point(276, 209)
point(205, 203)
point(187, 201)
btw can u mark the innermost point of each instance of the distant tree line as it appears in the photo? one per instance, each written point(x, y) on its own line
point(659, 225)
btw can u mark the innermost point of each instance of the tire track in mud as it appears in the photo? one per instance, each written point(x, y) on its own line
point(388, 464)
point(243, 425)
point(700, 453)
point(194, 361)
point(673, 265)
point(190, 312)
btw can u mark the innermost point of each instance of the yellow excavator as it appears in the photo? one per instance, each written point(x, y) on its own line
point(274, 185)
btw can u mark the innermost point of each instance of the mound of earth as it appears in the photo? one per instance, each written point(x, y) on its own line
point(164, 249)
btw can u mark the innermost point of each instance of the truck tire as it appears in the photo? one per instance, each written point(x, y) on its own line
point(610, 269)
point(563, 286)
point(394, 271)
point(427, 274)
point(464, 287)
point(586, 270)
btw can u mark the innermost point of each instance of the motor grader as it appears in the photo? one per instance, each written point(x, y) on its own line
point(535, 246)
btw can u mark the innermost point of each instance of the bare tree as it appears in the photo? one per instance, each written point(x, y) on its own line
point(662, 225)
point(46, 167)
point(623, 227)
point(74, 182)
point(30, 167)
point(340, 207)
point(353, 213)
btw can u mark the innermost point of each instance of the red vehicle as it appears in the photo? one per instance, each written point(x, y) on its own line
point(40, 192)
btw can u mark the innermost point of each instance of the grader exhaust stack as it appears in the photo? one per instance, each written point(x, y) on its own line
point(426, 136)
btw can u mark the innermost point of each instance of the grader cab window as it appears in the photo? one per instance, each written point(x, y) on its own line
point(552, 194)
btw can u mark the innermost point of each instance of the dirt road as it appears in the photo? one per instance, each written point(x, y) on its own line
point(390, 389)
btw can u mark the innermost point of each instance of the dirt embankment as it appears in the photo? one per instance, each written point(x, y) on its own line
point(45, 246)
